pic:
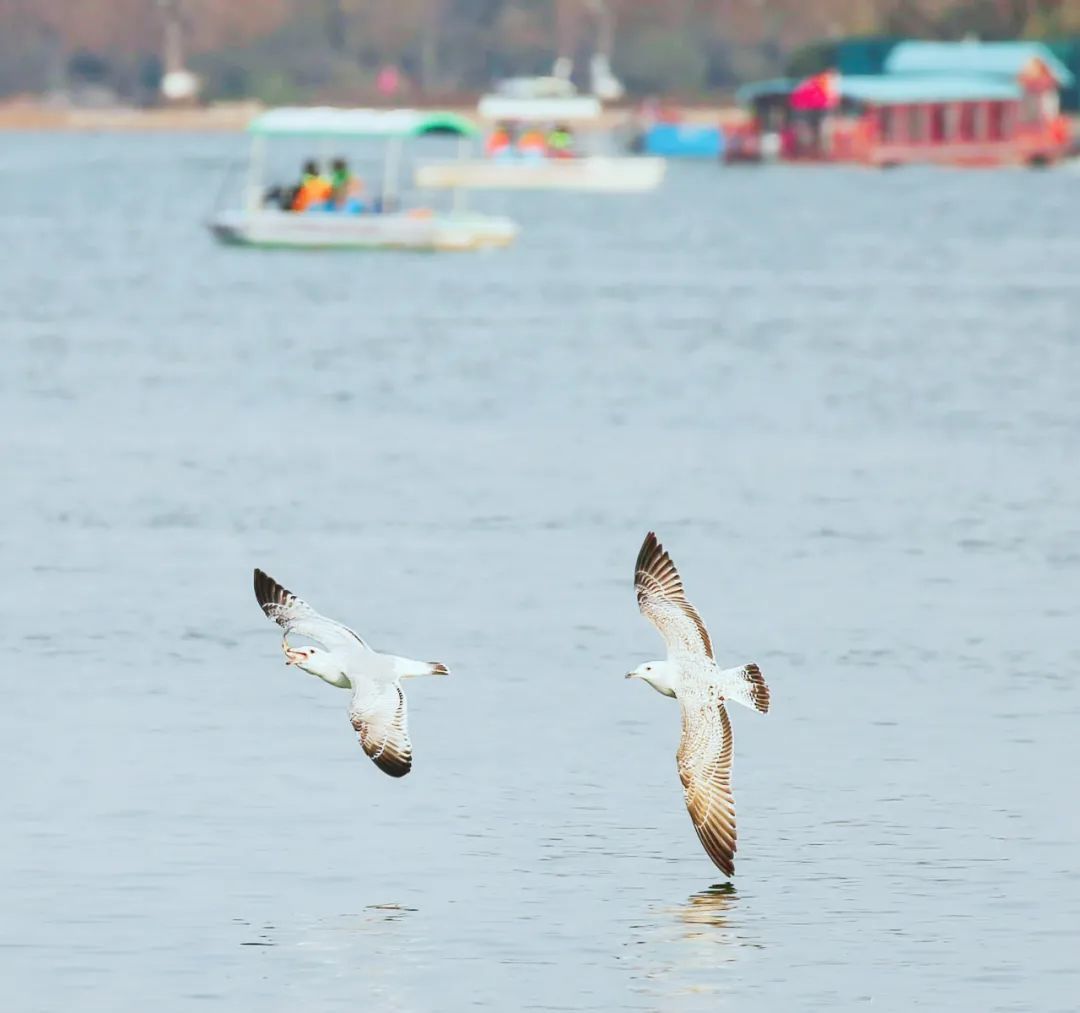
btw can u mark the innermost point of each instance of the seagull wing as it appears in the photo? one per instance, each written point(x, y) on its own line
point(381, 723)
point(663, 602)
point(704, 759)
point(294, 615)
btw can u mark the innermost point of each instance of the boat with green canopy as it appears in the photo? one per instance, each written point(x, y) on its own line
point(343, 217)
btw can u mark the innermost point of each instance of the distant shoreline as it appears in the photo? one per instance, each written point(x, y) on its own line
point(28, 115)
point(35, 116)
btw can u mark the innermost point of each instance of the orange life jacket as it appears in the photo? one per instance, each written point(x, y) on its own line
point(498, 141)
point(313, 190)
point(533, 141)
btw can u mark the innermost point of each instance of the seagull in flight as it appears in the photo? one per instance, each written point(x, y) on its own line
point(377, 709)
point(691, 675)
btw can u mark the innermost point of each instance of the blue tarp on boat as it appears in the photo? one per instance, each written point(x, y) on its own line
point(683, 140)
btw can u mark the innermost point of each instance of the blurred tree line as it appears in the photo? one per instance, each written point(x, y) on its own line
point(297, 50)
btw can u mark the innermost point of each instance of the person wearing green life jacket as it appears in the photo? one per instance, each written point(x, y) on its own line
point(347, 188)
point(560, 143)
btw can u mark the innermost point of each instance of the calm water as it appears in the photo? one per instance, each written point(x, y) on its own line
point(847, 401)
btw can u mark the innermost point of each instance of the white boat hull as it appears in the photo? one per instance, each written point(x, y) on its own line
point(329, 230)
point(598, 174)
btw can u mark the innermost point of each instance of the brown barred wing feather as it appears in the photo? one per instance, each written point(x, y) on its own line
point(704, 758)
point(663, 602)
point(381, 724)
point(296, 616)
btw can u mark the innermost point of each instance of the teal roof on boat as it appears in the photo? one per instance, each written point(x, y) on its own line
point(303, 121)
point(1001, 59)
point(893, 89)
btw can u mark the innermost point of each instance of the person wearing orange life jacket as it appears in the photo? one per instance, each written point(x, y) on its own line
point(500, 143)
point(315, 191)
point(532, 144)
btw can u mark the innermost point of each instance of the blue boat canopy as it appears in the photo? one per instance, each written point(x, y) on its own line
point(895, 89)
point(990, 59)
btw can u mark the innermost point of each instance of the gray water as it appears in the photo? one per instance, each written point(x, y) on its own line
point(847, 401)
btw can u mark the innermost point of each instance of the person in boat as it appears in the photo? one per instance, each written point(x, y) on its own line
point(560, 142)
point(314, 192)
point(279, 197)
point(532, 144)
point(501, 142)
point(347, 189)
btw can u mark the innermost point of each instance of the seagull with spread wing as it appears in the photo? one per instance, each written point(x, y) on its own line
point(377, 709)
point(691, 675)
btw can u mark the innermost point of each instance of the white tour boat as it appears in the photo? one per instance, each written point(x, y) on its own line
point(381, 223)
point(598, 173)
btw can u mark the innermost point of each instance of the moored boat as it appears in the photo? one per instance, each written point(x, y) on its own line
point(515, 167)
point(963, 104)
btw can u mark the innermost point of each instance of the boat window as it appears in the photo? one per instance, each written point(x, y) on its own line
point(952, 122)
point(937, 124)
point(1009, 116)
point(981, 122)
point(997, 121)
point(886, 123)
point(915, 124)
point(774, 117)
point(967, 121)
point(1030, 107)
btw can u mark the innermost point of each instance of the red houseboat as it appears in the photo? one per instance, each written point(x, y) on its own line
point(967, 103)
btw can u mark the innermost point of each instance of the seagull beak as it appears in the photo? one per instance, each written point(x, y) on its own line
point(629, 675)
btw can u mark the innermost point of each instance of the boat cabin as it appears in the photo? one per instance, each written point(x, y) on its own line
point(326, 130)
point(536, 128)
point(950, 103)
point(536, 145)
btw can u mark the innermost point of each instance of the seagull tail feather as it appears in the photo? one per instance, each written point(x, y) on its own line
point(746, 685)
point(406, 668)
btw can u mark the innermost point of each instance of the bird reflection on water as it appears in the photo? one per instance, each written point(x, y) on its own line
point(692, 946)
point(709, 908)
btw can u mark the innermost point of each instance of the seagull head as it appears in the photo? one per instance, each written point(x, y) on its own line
point(315, 661)
point(297, 656)
point(660, 675)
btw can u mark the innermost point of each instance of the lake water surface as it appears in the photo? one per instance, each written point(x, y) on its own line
point(849, 403)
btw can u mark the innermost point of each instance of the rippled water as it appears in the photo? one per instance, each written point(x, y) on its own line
point(847, 401)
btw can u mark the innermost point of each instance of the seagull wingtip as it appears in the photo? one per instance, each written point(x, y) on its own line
point(650, 546)
point(651, 543)
point(265, 587)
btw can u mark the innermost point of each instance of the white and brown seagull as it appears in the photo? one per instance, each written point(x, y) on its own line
point(691, 675)
point(377, 709)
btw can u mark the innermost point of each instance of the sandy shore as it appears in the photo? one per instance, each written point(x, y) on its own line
point(31, 115)
point(28, 115)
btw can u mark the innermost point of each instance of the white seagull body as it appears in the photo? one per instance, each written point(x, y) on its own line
point(691, 675)
point(377, 708)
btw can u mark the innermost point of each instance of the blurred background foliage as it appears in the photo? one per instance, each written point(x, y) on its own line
point(333, 50)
